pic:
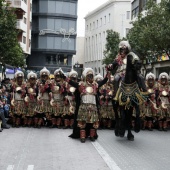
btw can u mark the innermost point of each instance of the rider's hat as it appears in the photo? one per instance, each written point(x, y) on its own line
point(164, 75)
point(44, 71)
point(19, 74)
point(150, 75)
point(31, 75)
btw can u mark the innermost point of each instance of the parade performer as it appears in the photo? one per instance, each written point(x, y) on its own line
point(150, 106)
point(88, 114)
point(18, 89)
point(164, 101)
point(70, 96)
point(106, 98)
point(130, 77)
point(58, 100)
point(30, 99)
point(43, 99)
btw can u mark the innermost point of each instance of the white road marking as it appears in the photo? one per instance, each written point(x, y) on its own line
point(109, 161)
point(30, 167)
point(10, 167)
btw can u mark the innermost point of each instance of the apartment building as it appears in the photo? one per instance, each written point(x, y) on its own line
point(24, 20)
point(53, 34)
point(115, 15)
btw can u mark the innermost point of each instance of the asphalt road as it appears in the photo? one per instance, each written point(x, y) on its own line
point(52, 149)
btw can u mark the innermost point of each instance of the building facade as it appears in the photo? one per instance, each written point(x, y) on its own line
point(53, 34)
point(115, 15)
point(24, 22)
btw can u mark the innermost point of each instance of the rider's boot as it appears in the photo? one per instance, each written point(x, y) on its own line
point(130, 136)
point(150, 126)
point(137, 125)
point(82, 136)
point(165, 125)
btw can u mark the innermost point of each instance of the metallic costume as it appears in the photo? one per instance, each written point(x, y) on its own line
point(31, 98)
point(150, 106)
point(70, 107)
point(58, 100)
point(43, 100)
point(164, 101)
point(18, 95)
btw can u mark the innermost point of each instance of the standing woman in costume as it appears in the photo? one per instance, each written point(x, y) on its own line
point(58, 100)
point(70, 96)
point(17, 101)
point(30, 99)
point(88, 114)
point(43, 99)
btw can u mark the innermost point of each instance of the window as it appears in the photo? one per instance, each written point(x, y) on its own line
point(97, 24)
point(25, 20)
point(93, 25)
point(127, 30)
point(127, 14)
point(100, 21)
point(109, 18)
point(104, 19)
point(24, 39)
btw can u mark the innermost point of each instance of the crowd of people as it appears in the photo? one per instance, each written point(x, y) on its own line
point(84, 105)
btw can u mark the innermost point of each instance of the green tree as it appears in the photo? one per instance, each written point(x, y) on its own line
point(10, 51)
point(150, 34)
point(111, 47)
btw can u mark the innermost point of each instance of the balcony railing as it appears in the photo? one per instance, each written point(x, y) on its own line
point(21, 25)
point(18, 4)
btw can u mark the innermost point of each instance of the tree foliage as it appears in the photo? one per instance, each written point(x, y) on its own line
point(150, 34)
point(111, 47)
point(10, 51)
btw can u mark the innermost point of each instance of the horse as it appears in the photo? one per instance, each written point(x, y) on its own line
point(129, 96)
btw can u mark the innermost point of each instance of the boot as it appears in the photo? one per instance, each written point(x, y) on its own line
point(144, 125)
point(29, 122)
point(35, 122)
point(150, 126)
point(40, 122)
point(13, 122)
point(58, 123)
point(53, 122)
point(66, 123)
point(104, 123)
point(0, 126)
point(165, 126)
point(71, 123)
point(109, 125)
point(92, 134)
point(25, 123)
point(18, 121)
point(82, 136)
point(160, 126)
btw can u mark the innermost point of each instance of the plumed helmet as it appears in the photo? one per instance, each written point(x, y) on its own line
point(58, 72)
point(98, 76)
point(73, 73)
point(87, 71)
point(19, 74)
point(164, 74)
point(44, 71)
point(31, 75)
point(150, 75)
point(125, 44)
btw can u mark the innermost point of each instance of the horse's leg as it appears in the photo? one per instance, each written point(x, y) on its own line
point(117, 119)
point(122, 121)
point(129, 113)
point(137, 120)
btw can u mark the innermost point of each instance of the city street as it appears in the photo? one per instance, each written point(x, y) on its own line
point(52, 149)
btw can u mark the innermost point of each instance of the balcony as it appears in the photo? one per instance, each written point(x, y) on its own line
point(21, 25)
point(18, 4)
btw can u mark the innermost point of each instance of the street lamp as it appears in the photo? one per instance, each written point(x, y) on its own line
point(77, 65)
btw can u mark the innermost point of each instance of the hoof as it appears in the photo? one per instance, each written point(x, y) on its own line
point(130, 137)
point(117, 133)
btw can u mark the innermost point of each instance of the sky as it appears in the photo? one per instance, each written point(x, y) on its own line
point(84, 7)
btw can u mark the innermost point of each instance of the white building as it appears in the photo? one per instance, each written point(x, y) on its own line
point(24, 20)
point(115, 15)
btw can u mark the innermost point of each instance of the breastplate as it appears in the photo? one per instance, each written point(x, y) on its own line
point(88, 98)
point(56, 89)
point(18, 96)
point(58, 96)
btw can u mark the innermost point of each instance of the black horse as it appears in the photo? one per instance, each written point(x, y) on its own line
point(128, 97)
